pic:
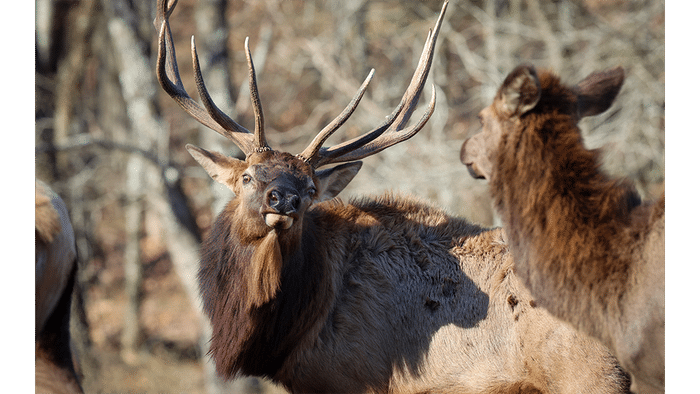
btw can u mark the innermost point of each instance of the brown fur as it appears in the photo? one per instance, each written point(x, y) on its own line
point(55, 263)
point(587, 248)
point(378, 295)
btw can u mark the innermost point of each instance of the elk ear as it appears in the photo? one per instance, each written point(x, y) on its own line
point(597, 91)
point(333, 180)
point(520, 91)
point(222, 169)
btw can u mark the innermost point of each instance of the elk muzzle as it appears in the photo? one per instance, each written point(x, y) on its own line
point(467, 160)
point(284, 205)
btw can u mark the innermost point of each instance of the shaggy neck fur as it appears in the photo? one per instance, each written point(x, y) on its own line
point(259, 294)
point(561, 213)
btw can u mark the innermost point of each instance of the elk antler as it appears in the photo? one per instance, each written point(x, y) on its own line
point(210, 116)
point(391, 131)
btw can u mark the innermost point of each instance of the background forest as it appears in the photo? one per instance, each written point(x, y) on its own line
point(111, 142)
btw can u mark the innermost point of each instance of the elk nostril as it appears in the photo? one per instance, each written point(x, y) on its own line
point(274, 198)
point(294, 201)
point(283, 202)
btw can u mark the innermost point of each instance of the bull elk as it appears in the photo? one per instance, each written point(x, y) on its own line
point(586, 246)
point(55, 269)
point(385, 294)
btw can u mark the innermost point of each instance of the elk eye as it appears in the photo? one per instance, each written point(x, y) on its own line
point(246, 179)
point(312, 192)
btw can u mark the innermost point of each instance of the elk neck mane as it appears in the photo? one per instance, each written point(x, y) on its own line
point(561, 210)
point(262, 295)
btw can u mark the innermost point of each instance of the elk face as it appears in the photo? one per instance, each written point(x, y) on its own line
point(477, 151)
point(274, 189)
point(518, 94)
point(281, 189)
point(521, 93)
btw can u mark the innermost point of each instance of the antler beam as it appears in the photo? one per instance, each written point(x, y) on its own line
point(390, 132)
point(209, 115)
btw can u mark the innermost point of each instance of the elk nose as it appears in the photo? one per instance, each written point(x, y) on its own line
point(463, 155)
point(283, 202)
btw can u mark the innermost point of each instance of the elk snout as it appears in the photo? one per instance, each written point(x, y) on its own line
point(463, 153)
point(284, 204)
point(467, 160)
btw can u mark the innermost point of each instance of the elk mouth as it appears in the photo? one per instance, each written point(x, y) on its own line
point(465, 158)
point(473, 172)
point(278, 221)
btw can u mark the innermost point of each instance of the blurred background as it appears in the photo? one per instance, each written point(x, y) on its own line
point(111, 142)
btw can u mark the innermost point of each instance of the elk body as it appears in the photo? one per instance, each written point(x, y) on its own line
point(590, 251)
point(385, 294)
point(56, 265)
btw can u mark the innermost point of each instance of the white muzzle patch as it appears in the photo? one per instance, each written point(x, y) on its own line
point(278, 221)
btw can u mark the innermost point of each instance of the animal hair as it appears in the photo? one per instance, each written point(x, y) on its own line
point(584, 243)
point(367, 302)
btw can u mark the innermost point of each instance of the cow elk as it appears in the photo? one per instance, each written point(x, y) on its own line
point(385, 294)
point(55, 270)
point(590, 251)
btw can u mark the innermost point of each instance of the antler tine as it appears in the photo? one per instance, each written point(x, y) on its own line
point(329, 155)
point(383, 141)
point(312, 150)
point(229, 125)
point(260, 142)
point(170, 80)
point(163, 12)
point(392, 132)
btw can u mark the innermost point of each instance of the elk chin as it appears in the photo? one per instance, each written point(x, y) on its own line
point(265, 277)
point(278, 222)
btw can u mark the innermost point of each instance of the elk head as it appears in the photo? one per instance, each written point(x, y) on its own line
point(520, 95)
point(273, 188)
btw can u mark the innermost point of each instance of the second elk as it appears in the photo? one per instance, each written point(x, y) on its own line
point(385, 294)
point(586, 246)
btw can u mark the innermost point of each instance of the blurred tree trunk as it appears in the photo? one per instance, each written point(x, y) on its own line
point(133, 275)
point(70, 70)
point(128, 48)
point(137, 78)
